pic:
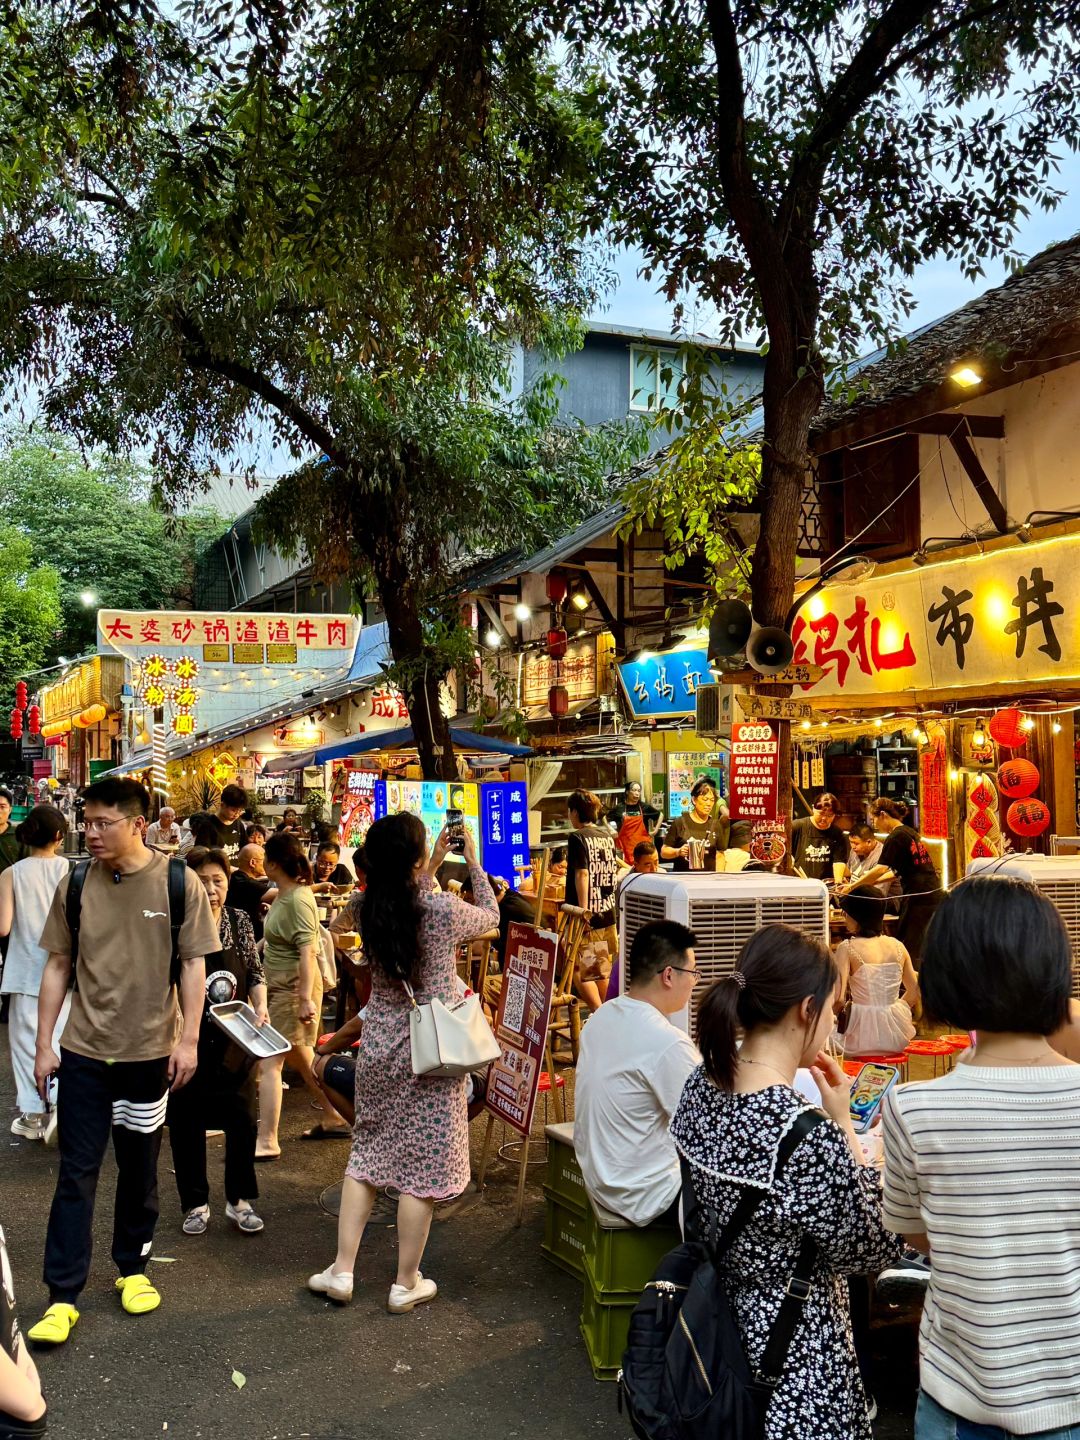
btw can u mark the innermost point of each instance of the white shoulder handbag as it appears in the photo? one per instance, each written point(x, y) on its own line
point(450, 1039)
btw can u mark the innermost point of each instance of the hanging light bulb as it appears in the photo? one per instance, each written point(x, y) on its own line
point(1055, 727)
point(978, 735)
point(1028, 722)
point(954, 775)
point(878, 722)
point(806, 724)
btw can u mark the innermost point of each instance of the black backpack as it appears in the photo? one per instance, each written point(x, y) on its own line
point(685, 1375)
point(177, 886)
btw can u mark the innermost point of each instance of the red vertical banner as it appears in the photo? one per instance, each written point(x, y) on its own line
point(521, 1024)
point(755, 787)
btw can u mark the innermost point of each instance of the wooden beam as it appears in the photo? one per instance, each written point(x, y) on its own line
point(601, 604)
point(979, 478)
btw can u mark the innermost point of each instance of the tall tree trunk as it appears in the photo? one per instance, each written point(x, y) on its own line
point(422, 693)
point(790, 401)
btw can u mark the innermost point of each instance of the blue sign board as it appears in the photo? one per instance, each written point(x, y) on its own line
point(665, 685)
point(504, 829)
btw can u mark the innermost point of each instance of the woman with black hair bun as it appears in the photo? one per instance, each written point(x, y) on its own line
point(735, 1112)
point(26, 894)
point(904, 856)
point(878, 976)
point(411, 1131)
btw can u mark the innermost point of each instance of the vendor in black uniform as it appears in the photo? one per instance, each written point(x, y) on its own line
point(904, 855)
point(818, 846)
point(706, 821)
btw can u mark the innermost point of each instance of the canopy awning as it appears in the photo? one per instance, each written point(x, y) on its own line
point(399, 739)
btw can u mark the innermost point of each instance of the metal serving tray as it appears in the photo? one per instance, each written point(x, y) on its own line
point(238, 1021)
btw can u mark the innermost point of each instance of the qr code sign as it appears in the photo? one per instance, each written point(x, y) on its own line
point(517, 987)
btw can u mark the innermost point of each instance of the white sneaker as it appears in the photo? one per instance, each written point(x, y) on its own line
point(402, 1300)
point(30, 1127)
point(196, 1221)
point(334, 1286)
point(244, 1217)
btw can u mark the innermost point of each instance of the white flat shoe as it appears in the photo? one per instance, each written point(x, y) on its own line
point(333, 1286)
point(401, 1300)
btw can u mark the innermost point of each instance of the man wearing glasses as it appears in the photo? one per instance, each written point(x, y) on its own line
point(127, 1042)
point(818, 846)
point(631, 1071)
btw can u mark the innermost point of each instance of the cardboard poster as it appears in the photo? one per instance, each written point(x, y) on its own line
point(521, 1025)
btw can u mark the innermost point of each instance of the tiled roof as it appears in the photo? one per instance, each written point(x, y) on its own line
point(995, 331)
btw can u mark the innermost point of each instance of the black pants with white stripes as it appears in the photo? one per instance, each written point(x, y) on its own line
point(129, 1098)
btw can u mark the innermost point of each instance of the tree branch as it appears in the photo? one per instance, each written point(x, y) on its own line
point(749, 212)
point(199, 356)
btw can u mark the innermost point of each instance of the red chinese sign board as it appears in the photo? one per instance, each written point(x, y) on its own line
point(755, 771)
point(521, 1025)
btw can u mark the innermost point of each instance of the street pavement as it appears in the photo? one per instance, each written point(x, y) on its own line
point(498, 1353)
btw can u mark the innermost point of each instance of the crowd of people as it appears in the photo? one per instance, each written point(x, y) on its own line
point(112, 969)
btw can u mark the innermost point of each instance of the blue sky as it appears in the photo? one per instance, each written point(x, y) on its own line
point(938, 287)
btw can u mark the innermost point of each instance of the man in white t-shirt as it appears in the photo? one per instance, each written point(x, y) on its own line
point(630, 1075)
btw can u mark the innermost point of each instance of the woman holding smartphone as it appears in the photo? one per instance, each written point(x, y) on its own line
point(734, 1113)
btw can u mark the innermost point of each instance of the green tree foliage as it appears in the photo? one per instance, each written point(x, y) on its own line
point(223, 221)
point(29, 612)
point(795, 163)
point(93, 523)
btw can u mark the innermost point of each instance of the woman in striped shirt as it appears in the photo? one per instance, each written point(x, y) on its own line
point(982, 1170)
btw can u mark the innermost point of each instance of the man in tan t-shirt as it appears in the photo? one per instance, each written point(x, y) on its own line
point(126, 1043)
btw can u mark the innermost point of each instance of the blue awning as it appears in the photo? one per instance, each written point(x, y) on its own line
point(466, 740)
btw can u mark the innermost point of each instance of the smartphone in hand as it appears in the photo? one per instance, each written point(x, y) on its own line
point(455, 830)
point(871, 1085)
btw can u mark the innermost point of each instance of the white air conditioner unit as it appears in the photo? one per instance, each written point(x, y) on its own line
point(1058, 877)
point(723, 911)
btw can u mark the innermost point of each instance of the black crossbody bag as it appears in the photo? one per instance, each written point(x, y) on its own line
point(685, 1375)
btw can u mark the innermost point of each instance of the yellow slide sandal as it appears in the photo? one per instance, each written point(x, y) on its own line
point(137, 1295)
point(55, 1325)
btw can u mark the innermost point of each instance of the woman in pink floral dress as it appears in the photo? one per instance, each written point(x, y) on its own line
point(411, 1130)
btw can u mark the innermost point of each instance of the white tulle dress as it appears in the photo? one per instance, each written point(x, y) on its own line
point(880, 1022)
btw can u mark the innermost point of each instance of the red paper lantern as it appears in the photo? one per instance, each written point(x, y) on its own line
point(16, 724)
point(556, 589)
point(20, 695)
point(1027, 817)
point(1006, 728)
point(1018, 779)
point(33, 720)
point(556, 643)
point(558, 700)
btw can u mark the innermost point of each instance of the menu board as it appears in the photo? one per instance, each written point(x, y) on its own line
point(755, 770)
point(521, 1024)
point(429, 801)
point(357, 807)
point(505, 829)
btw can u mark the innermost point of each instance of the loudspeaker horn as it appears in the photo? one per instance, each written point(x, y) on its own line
point(729, 628)
point(769, 650)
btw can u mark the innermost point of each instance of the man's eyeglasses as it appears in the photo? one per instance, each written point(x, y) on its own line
point(684, 969)
point(100, 826)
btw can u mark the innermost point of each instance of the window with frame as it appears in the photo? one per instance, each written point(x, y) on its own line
point(655, 376)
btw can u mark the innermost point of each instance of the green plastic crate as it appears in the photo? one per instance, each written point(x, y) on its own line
point(564, 1233)
point(622, 1262)
point(605, 1324)
point(563, 1171)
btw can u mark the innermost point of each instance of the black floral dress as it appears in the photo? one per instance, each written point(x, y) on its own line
point(731, 1141)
